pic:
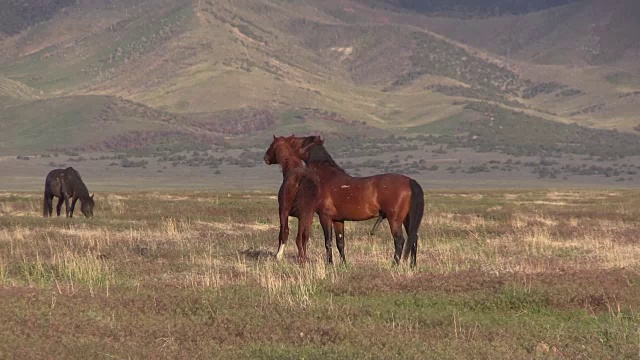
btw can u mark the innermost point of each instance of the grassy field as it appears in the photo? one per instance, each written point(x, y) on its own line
point(501, 274)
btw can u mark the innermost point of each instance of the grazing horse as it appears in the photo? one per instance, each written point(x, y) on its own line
point(398, 198)
point(66, 184)
point(297, 197)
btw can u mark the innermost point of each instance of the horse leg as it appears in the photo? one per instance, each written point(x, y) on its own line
point(325, 222)
point(66, 205)
point(58, 206)
point(73, 204)
point(304, 230)
point(300, 243)
point(283, 236)
point(338, 226)
point(413, 244)
point(413, 219)
point(398, 239)
point(306, 234)
point(48, 205)
point(375, 226)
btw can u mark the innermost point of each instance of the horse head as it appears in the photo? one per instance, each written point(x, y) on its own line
point(271, 155)
point(307, 143)
point(86, 206)
point(282, 148)
point(279, 150)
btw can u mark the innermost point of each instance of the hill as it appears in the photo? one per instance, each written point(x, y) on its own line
point(337, 66)
point(593, 32)
point(16, 15)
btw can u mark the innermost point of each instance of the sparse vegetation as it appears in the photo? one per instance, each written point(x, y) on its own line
point(589, 109)
point(126, 163)
point(195, 84)
point(500, 274)
point(518, 134)
point(543, 88)
point(168, 88)
point(570, 92)
point(439, 57)
point(474, 93)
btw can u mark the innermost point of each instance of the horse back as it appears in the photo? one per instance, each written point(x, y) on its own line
point(386, 183)
point(391, 188)
point(53, 174)
point(54, 182)
point(359, 198)
point(73, 183)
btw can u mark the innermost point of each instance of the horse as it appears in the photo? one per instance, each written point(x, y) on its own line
point(396, 197)
point(297, 197)
point(66, 184)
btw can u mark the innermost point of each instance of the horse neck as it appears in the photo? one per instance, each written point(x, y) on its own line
point(321, 161)
point(326, 170)
point(289, 163)
point(81, 190)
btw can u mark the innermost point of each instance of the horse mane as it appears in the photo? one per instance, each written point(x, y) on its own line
point(289, 162)
point(72, 178)
point(319, 155)
point(74, 171)
point(285, 157)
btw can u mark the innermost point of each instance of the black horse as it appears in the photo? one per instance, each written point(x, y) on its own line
point(66, 184)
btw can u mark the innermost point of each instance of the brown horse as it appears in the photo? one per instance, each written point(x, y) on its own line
point(66, 184)
point(297, 197)
point(396, 197)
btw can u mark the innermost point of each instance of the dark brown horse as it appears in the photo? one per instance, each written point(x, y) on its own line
point(297, 197)
point(396, 197)
point(66, 184)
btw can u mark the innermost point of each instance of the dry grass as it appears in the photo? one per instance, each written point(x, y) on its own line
point(478, 254)
point(527, 236)
point(450, 241)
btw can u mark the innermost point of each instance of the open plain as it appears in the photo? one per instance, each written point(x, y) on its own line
point(518, 118)
point(186, 274)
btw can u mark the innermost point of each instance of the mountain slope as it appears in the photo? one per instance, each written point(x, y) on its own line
point(17, 90)
point(16, 15)
point(341, 66)
point(593, 32)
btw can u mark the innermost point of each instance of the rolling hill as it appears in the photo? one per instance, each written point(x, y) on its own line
point(152, 71)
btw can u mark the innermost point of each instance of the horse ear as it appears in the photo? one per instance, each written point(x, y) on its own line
point(92, 195)
point(304, 151)
point(318, 140)
point(274, 137)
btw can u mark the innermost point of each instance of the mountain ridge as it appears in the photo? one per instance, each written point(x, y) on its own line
point(376, 68)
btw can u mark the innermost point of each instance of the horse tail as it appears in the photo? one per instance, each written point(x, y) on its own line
point(416, 210)
point(45, 200)
point(45, 205)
